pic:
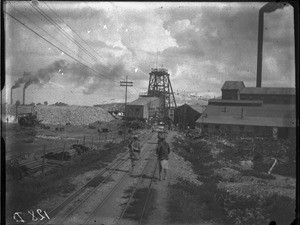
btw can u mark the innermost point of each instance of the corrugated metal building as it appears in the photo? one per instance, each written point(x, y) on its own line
point(270, 95)
point(260, 111)
point(142, 108)
point(187, 115)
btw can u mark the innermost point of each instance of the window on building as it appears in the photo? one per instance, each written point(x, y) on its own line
point(256, 130)
point(217, 127)
point(205, 126)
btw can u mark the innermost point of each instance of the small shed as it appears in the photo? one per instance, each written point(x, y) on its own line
point(186, 115)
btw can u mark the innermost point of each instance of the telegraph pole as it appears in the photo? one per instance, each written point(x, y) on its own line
point(125, 84)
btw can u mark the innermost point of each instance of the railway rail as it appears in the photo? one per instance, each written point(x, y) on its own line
point(143, 182)
point(94, 214)
point(61, 212)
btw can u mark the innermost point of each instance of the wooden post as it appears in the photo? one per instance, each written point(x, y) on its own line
point(105, 137)
point(83, 140)
point(62, 155)
point(43, 166)
point(98, 142)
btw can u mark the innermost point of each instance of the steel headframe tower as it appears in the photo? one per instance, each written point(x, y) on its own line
point(160, 86)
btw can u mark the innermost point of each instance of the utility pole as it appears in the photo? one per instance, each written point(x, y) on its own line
point(125, 84)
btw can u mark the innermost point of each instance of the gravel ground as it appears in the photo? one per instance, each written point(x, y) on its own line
point(178, 168)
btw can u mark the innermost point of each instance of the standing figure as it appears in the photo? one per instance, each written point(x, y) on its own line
point(162, 152)
point(134, 151)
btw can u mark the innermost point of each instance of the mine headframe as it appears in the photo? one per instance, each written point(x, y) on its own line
point(160, 86)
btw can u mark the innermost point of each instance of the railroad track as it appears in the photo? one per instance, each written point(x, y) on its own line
point(143, 183)
point(93, 215)
point(64, 210)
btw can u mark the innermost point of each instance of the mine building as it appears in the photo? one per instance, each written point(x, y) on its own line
point(267, 111)
point(142, 108)
point(185, 116)
point(269, 95)
point(231, 90)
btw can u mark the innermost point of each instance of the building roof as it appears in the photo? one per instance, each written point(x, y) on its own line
point(233, 85)
point(266, 115)
point(225, 102)
point(143, 101)
point(198, 108)
point(268, 91)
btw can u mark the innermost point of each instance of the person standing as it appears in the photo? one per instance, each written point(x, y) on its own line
point(162, 152)
point(134, 151)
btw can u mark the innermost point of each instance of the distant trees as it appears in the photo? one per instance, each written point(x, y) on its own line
point(60, 104)
point(39, 103)
point(45, 103)
point(32, 104)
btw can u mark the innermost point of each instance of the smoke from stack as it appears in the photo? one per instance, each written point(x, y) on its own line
point(76, 74)
point(267, 8)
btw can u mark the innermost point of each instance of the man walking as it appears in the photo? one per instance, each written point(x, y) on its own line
point(134, 151)
point(162, 152)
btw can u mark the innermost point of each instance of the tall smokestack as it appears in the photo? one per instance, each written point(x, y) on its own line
point(260, 47)
point(24, 95)
point(11, 98)
point(267, 8)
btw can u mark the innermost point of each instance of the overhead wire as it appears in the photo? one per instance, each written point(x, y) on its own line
point(67, 35)
point(96, 72)
point(71, 29)
point(75, 33)
point(46, 32)
point(40, 11)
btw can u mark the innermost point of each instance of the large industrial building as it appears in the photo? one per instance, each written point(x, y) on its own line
point(267, 111)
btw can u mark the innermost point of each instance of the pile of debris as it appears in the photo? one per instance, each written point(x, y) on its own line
point(65, 156)
point(135, 124)
point(194, 134)
point(80, 149)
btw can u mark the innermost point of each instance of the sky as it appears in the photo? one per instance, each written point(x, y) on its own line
point(78, 52)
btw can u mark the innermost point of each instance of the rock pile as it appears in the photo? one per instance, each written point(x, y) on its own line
point(61, 115)
point(75, 115)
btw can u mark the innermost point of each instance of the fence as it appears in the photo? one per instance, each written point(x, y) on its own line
point(20, 164)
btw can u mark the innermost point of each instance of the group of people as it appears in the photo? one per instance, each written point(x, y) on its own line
point(162, 152)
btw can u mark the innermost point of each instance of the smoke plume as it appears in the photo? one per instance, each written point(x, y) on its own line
point(272, 6)
point(90, 81)
point(43, 75)
point(76, 74)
